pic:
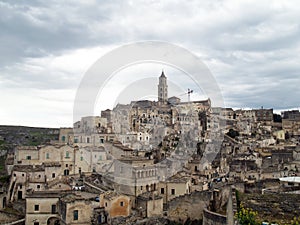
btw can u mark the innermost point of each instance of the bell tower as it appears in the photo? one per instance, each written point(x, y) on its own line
point(162, 89)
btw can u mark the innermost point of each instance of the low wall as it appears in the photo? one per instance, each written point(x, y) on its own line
point(212, 218)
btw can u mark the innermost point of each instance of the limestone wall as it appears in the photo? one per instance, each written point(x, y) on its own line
point(212, 218)
point(189, 206)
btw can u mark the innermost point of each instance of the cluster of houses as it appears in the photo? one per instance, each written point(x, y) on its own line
point(134, 160)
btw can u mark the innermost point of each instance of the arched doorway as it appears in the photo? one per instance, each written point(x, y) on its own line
point(53, 221)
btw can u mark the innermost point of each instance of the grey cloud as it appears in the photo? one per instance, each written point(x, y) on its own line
point(253, 46)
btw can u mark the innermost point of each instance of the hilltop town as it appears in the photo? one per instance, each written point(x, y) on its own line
point(158, 162)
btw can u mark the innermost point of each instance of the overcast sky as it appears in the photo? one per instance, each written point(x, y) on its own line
point(251, 47)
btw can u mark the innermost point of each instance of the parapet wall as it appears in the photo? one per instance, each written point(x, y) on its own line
point(212, 218)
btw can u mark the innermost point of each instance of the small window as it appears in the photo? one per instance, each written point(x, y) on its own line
point(36, 223)
point(81, 158)
point(23, 174)
point(36, 207)
point(100, 157)
point(121, 204)
point(47, 155)
point(53, 209)
point(162, 190)
point(38, 186)
point(63, 138)
point(28, 157)
point(87, 140)
point(101, 140)
point(76, 140)
point(75, 215)
point(67, 155)
point(67, 165)
point(53, 175)
point(173, 191)
point(141, 187)
point(105, 204)
point(20, 186)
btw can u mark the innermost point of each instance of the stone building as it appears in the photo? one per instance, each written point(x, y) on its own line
point(175, 186)
point(42, 208)
point(66, 135)
point(115, 204)
point(135, 175)
point(75, 209)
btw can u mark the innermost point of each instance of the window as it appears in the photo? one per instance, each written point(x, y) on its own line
point(121, 204)
point(63, 138)
point(20, 186)
point(141, 187)
point(67, 165)
point(53, 209)
point(28, 157)
point(101, 140)
point(76, 140)
point(100, 157)
point(87, 140)
point(36, 223)
point(53, 175)
point(162, 190)
point(105, 204)
point(38, 186)
point(75, 215)
point(47, 155)
point(81, 158)
point(66, 172)
point(36, 207)
point(173, 191)
point(67, 155)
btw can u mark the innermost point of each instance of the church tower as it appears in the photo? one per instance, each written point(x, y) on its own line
point(162, 89)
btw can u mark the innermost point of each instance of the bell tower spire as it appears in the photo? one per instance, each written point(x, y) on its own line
point(162, 89)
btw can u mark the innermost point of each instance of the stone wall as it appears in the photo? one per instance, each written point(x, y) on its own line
point(7, 218)
point(212, 218)
point(189, 206)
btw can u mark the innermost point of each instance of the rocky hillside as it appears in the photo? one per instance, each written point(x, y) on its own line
point(11, 136)
point(19, 135)
point(279, 207)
